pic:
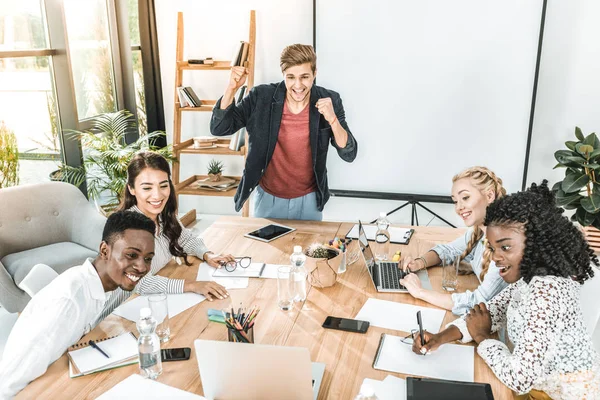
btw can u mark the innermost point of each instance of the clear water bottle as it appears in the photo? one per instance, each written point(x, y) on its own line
point(148, 345)
point(382, 237)
point(366, 393)
point(299, 274)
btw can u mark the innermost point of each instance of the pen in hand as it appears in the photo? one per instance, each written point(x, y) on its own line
point(420, 322)
point(94, 345)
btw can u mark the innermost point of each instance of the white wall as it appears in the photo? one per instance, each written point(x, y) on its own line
point(569, 83)
point(568, 90)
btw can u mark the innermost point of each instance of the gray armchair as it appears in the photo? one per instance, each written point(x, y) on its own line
point(50, 223)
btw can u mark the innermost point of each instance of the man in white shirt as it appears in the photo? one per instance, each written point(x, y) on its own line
point(61, 313)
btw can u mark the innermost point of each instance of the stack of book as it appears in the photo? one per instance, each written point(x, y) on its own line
point(85, 358)
point(240, 54)
point(205, 142)
point(222, 185)
point(187, 97)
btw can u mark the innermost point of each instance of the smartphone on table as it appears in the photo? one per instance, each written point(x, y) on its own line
point(346, 324)
point(177, 354)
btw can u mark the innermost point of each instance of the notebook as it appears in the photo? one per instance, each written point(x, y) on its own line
point(397, 235)
point(449, 361)
point(255, 270)
point(85, 360)
point(135, 387)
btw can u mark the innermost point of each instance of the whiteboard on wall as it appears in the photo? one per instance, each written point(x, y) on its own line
point(429, 87)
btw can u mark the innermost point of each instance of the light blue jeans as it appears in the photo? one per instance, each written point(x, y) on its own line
point(269, 206)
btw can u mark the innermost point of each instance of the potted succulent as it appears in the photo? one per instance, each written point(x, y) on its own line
point(106, 156)
point(9, 157)
point(580, 189)
point(215, 169)
point(322, 264)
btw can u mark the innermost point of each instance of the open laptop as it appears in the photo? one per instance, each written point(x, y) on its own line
point(385, 274)
point(256, 371)
point(438, 389)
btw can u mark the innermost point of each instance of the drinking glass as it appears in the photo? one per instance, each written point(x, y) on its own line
point(285, 285)
point(450, 274)
point(160, 312)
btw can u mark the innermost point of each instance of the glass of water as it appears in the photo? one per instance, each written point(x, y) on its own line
point(160, 312)
point(285, 288)
point(450, 274)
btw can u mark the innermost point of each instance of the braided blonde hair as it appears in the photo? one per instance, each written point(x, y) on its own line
point(484, 180)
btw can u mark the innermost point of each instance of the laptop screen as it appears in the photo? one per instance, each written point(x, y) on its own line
point(367, 254)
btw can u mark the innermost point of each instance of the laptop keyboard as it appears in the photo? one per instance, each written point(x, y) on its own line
point(391, 275)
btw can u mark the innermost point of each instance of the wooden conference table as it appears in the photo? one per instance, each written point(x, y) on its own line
point(348, 356)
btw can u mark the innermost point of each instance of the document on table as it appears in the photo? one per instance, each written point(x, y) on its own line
point(176, 303)
point(270, 271)
point(205, 273)
point(401, 317)
point(254, 270)
point(135, 387)
point(391, 388)
point(450, 361)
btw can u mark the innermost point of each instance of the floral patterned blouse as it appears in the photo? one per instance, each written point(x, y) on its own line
point(553, 351)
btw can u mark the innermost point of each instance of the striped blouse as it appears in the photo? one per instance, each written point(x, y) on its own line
point(151, 283)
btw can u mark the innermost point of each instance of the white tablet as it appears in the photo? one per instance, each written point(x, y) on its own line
point(269, 232)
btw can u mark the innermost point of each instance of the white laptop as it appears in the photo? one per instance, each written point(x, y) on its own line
point(386, 275)
point(256, 371)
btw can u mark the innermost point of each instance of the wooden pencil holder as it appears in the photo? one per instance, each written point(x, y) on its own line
point(235, 335)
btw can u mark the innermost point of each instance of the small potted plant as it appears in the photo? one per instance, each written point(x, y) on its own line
point(580, 189)
point(322, 264)
point(215, 169)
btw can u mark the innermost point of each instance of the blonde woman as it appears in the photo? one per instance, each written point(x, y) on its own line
point(472, 191)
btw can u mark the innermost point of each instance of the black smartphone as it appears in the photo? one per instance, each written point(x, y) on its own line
point(346, 324)
point(178, 354)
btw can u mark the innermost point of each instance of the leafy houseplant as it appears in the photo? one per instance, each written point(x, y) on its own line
point(215, 169)
point(107, 155)
point(580, 189)
point(9, 157)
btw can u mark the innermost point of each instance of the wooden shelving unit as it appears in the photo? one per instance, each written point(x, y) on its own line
point(188, 186)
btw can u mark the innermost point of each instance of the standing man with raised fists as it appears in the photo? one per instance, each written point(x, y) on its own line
point(290, 125)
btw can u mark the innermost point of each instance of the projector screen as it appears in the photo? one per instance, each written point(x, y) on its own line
point(429, 87)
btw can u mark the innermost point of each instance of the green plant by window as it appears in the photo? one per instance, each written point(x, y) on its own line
point(107, 155)
point(215, 167)
point(9, 157)
point(580, 189)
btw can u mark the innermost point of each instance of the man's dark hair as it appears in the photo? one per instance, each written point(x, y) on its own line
point(120, 221)
point(553, 245)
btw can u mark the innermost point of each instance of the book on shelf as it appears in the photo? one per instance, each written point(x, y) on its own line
point(240, 54)
point(182, 98)
point(188, 99)
point(192, 96)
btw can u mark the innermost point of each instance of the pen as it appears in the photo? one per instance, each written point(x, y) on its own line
point(420, 322)
point(94, 345)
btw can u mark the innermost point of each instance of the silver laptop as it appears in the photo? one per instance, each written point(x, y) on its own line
point(385, 275)
point(256, 371)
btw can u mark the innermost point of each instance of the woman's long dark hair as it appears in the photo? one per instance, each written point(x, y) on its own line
point(171, 227)
point(553, 245)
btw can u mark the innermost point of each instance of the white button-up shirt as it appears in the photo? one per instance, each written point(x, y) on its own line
point(56, 318)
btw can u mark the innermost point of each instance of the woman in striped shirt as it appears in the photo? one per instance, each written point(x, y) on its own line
point(150, 191)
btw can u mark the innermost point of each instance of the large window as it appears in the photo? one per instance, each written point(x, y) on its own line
point(63, 62)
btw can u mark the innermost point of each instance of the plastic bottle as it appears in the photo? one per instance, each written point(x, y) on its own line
point(299, 274)
point(366, 393)
point(382, 237)
point(148, 345)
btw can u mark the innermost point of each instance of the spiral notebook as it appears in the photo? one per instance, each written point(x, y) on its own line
point(85, 360)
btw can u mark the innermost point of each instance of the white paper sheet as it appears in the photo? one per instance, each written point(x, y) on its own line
point(397, 235)
point(253, 271)
point(399, 316)
point(205, 273)
point(176, 303)
point(391, 388)
point(270, 271)
point(449, 361)
point(135, 387)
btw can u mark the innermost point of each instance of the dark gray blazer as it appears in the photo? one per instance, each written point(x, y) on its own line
point(260, 113)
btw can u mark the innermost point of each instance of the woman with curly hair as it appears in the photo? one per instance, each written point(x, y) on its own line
point(150, 191)
point(472, 190)
point(545, 259)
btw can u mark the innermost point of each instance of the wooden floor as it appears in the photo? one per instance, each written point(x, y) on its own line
point(348, 356)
